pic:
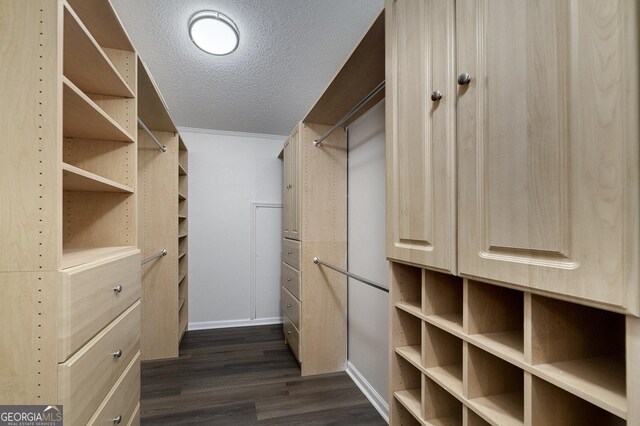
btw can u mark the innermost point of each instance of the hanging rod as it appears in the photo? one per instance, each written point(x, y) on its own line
point(155, 256)
point(152, 136)
point(355, 109)
point(317, 261)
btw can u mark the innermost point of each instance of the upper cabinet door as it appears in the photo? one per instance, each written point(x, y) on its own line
point(420, 111)
point(549, 145)
point(294, 190)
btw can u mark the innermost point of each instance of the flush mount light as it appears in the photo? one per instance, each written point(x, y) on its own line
point(214, 32)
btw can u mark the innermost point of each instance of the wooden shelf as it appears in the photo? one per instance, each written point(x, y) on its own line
point(75, 179)
point(181, 170)
point(448, 322)
point(410, 399)
point(181, 197)
point(86, 64)
point(599, 380)
point(181, 254)
point(181, 217)
point(181, 278)
point(103, 23)
point(182, 235)
point(181, 303)
point(84, 119)
point(503, 409)
point(152, 108)
point(411, 354)
point(508, 345)
point(79, 256)
point(411, 308)
point(449, 377)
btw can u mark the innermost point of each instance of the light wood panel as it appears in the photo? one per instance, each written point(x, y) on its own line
point(420, 135)
point(152, 109)
point(90, 373)
point(85, 63)
point(548, 147)
point(30, 176)
point(76, 179)
point(102, 21)
point(158, 180)
point(290, 307)
point(125, 62)
point(121, 110)
point(112, 160)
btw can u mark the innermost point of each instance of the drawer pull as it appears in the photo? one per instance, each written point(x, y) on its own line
point(289, 252)
point(288, 278)
point(117, 354)
point(118, 288)
point(117, 420)
point(288, 332)
point(288, 305)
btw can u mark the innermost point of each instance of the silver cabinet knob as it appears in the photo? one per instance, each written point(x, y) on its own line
point(288, 305)
point(288, 332)
point(288, 278)
point(118, 288)
point(117, 420)
point(464, 79)
point(289, 186)
point(436, 95)
point(117, 354)
point(289, 252)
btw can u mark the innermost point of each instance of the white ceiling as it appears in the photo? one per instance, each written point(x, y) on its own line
point(289, 51)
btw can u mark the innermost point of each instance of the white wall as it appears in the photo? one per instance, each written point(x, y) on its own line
point(227, 173)
point(368, 307)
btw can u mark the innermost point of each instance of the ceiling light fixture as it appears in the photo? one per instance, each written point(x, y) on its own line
point(214, 32)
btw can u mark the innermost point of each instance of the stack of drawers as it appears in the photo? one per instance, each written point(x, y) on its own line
point(291, 299)
point(99, 341)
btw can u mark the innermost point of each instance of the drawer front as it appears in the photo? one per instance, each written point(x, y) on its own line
point(135, 418)
point(291, 253)
point(291, 280)
point(91, 300)
point(123, 399)
point(85, 379)
point(290, 307)
point(292, 336)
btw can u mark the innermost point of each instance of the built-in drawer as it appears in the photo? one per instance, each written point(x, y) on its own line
point(123, 399)
point(290, 307)
point(291, 253)
point(291, 280)
point(292, 336)
point(93, 295)
point(85, 379)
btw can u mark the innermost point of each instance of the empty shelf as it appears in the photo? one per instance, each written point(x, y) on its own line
point(76, 179)
point(410, 399)
point(449, 377)
point(504, 409)
point(181, 170)
point(412, 308)
point(84, 119)
point(86, 64)
point(181, 278)
point(79, 256)
point(181, 197)
point(508, 345)
point(411, 354)
point(181, 254)
point(448, 322)
point(182, 235)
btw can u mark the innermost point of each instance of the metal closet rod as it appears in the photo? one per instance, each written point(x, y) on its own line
point(317, 261)
point(355, 109)
point(155, 256)
point(152, 136)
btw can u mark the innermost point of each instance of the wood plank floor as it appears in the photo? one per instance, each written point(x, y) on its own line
point(246, 376)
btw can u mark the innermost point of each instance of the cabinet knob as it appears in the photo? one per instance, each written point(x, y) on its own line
point(289, 186)
point(118, 288)
point(289, 252)
point(117, 420)
point(464, 79)
point(288, 332)
point(436, 95)
point(117, 354)
point(288, 305)
point(288, 278)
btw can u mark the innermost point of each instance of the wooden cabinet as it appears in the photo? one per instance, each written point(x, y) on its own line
point(538, 323)
point(291, 186)
point(70, 270)
point(314, 300)
point(163, 224)
point(546, 170)
point(420, 135)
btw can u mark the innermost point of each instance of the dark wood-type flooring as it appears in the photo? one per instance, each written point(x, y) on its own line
point(246, 376)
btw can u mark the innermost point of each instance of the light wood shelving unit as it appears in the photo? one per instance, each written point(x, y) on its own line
point(71, 270)
point(502, 355)
point(163, 221)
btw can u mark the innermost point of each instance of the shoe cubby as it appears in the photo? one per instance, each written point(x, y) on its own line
point(439, 407)
point(552, 406)
point(494, 317)
point(407, 284)
point(442, 358)
point(406, 390)
point(494, 388)
point(442, 298)
point(580, 349)
point(470, 418)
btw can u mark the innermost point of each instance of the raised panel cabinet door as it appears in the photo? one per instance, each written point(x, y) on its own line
point(549, 146)
point(286, 191)
point(294, 205)
point(420, 135)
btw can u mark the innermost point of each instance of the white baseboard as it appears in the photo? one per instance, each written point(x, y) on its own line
point(372, 395)
point(210, 325)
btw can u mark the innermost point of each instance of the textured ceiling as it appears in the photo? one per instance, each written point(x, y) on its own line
point(289, 51)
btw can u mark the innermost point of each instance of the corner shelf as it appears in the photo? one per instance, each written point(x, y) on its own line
point(86, 64)
point(76, 179)
point(84, 119)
